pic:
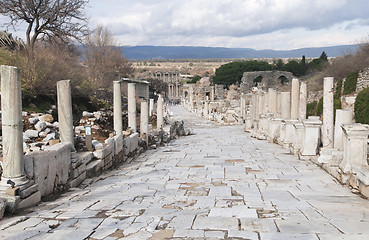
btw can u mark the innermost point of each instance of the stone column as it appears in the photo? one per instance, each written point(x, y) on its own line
point(303, 101)
point(342, 117)
point(355, 147)
point(311, 136)
point(118, 123)
point(261, 103)
point(212, 93)
point(151, 107)
point(132, 107)
point(192, 104)
point(257, 112)
point(253, 106)
point(206, 110)
point(159, 114)
point(285, 105)
point(12, 128)
point(144, 120)
point(266, 102)
point(272, 101)
point(279, 105)
point(327, 133)
point(65, 112)
point(295, 91)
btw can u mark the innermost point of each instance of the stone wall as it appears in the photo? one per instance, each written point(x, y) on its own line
point(362, 80)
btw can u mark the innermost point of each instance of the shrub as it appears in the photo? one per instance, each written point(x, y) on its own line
point(311, 108)
point(350, 83)
point(362, 107)
point(319, 107)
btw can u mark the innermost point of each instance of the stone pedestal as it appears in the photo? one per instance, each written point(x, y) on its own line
point(282, 132)
point(327, 132)
point(303, 102)
point(290, 133)
point(144, 120)
point(299, 138)
point(285, 105)
point(248, 124)
point(342, 117)
point(12, 128)
point(311, 136)
point(295, 92)
point(118, 123)
point(254, 131)
point(355, 147)
point(132, 125)
point(274, 129)
point(160, 113)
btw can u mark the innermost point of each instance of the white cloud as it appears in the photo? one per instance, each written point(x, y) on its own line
point(260, 24)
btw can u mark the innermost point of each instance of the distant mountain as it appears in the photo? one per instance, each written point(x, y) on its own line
point(168, 52)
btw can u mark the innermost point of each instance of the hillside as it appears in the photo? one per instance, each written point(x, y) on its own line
point(181, 52)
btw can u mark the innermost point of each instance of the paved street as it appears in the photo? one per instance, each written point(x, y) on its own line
point(219, 183)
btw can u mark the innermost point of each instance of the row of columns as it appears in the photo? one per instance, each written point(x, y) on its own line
point(174, 90)
point(12, 128)
point(281, 118)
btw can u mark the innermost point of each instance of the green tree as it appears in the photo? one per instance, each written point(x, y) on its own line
point(362, 107)
point(324, 57)
point(350, 83)
point(232, 73)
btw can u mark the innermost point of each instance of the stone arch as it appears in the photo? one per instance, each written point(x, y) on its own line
point(270, 78)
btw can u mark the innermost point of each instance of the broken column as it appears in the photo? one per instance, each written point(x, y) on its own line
point(303, 101)
point(151, 107)
point(342, 117)
point(159, 113)
point(12, 128)
point(144, 120)
point(206, 110)
point(279, 105)
point(285, 105)
point(65, 112)
point(272, 101)
point(132, 107)
point(118, 123)
point(295, 91)
point(327, 133)
point(192, 104)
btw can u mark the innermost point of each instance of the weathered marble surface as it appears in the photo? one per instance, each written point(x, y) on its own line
point(219, 183)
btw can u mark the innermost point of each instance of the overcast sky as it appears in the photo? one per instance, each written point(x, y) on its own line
point(259, 24)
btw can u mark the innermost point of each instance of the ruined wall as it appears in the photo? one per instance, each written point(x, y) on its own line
point(362, 80)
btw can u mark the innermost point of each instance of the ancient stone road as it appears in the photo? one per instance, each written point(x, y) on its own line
point(219, 183)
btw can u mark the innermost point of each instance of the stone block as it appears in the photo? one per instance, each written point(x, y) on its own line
point(30, 200)
point(94, 167)
point(78, 171)
point(126, 145)
point(77, 181)
point(104, 152)
point(11, 203)
point(12, 191)
point(118, 144)
point(28, 166)
point(85, 157)
point(2, 208)
point(52, 167)
point(24, 193)
point(133, 142)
